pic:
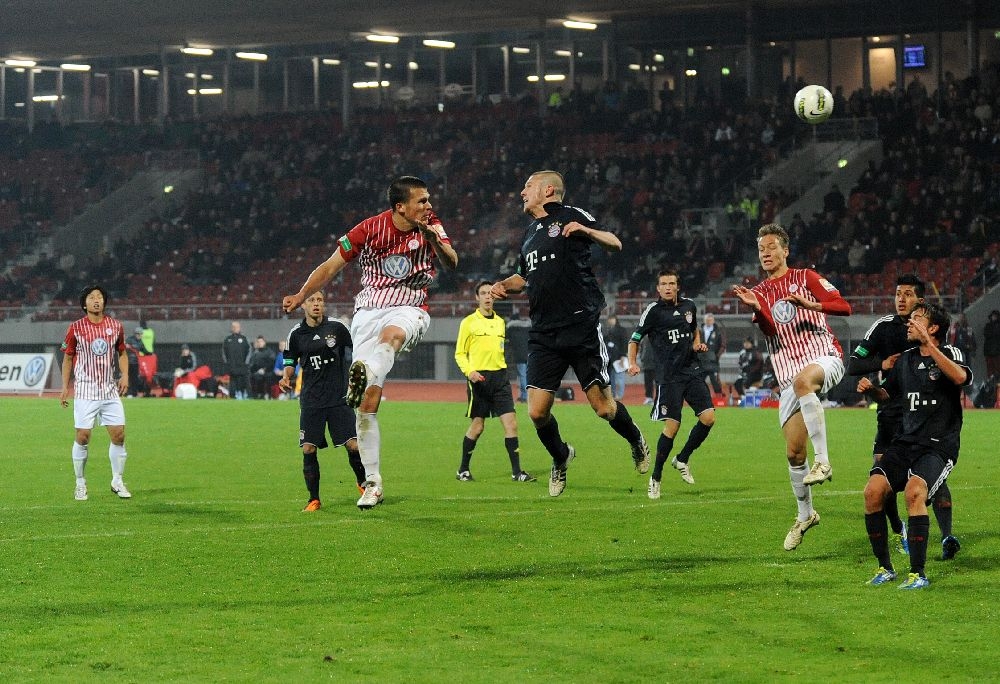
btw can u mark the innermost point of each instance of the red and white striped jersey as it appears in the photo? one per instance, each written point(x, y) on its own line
point(93, 350)
point(396, 267)
point(796, 336)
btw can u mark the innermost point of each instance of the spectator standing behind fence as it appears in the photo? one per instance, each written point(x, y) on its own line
point(517, 349)
point(991, 344)
point(616, 339)
point(714, 339)
point(751, 367)
point(236, 358)
point(962, 338)
point(261, 369)
point(134, 348)
point(148, 336)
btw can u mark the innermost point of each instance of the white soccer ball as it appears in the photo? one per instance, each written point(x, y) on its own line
point(813, 104)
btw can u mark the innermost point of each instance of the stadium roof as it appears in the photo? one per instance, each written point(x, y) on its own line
point(61, 29)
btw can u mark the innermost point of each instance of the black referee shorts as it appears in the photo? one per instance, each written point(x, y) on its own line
point(314, 422)
point(552, 352)
point(490, 398)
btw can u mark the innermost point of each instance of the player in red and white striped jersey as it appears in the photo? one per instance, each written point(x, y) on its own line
point(90, 348)
point(790, 308)
point(396, 250)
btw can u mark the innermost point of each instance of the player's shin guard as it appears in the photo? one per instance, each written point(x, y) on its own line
point(916, 534)
point(550, 438)
point(664, 445)
point(623, 424)
point(117, 456)
point(878, 535)
point(942, 509)
point(310, 471)
point(369, 445)
point(815, 420)
point(803, 494)
point(79, 460)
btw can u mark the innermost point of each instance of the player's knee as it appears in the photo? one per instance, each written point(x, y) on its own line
point(117, 435)
point(308, 449)
point(707, 418)
point(606, 411)
point(942, 501)
point(83, 437)
point(916, 493)
point(875, 493)
point(796, 459)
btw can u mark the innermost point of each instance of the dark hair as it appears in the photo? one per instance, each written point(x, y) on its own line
point(481, 283)
point(668, 272)
point(912, 279)
point(85, 292)
point(400, 189)
point(774, 229)
point(936, 315)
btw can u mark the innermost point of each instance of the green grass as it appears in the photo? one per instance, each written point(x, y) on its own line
point(211, 572)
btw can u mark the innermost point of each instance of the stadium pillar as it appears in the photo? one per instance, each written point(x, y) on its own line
point(751, 48)
point(505, 51)
point(29, 100)
point(225, 81)
point(442, 76)
point(829, 61)
point(136, 116)
point(792, 66)
point(475, 69)
point(411, 57)
point(939, 68)
point(315, 63)
point(972, 40)
point(256, 87)
point(900, 85)
point(284, 86)
point(571, 76)
point(605, 62)
point(194, 94)
point(540, 70)
point(86, 97)
point(866, 66)
point(163, 92)
point(3, 93)
point(59, 97)
point(345, 89)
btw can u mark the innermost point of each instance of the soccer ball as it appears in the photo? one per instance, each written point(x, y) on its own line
point(813, 104)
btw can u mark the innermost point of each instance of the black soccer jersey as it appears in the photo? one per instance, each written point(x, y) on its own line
point(561, 285)
point(671, 328)
point(932, 404)
point(887, 336)
point(322, 354)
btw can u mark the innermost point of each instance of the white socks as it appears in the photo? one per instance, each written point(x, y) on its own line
point(380, 362)
point(803, 494)
point(117, 456)
point(369, 445)
point(815, 420)
point(79, 461)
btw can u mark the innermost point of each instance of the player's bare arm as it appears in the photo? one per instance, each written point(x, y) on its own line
point(320, 276)
point(633, 353)
point(746, 295)
point(509, 285)
point(917, 327)
point(285, 383)
point(445, 252)
point(608, 241)
point(122, 373)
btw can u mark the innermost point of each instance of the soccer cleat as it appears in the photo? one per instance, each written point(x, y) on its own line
point(372, 496)
point(312, 506)
point(949, 547)
point(121, 490)
point(654, 489)
point(357, 383)
point(900, 542)
point(361, 488)
point(557, 478)
point(915, 581)
point(883, 576)
point(794, 536)
point(818, 474)
point(523, 476)
point(80, 493)
point(640, 455)
point(464, 476)
point(684, 469)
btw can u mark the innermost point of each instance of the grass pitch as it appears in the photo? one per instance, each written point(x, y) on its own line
point(212, 573)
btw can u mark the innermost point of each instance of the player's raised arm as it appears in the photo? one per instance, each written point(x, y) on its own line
point(320, 276)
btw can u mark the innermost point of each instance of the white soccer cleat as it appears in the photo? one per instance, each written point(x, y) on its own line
point(121, 490)
point(372, 496)
point(640, 455)
point(819, 473)
point(794, 536)
point(683, 469)
point(557, 477)
point(654, 489)
point(80, 493)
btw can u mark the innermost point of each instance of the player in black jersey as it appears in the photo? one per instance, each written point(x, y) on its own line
point(672, 326)
point(929, 378)
point(565, 303)
point(883, 342)
point(319, 345)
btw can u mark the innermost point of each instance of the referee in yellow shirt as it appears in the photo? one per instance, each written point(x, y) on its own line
point(479, 355)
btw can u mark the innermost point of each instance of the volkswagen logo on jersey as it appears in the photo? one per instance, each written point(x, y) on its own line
point(783, 311)
point(555, 229)
point(397, 266)
point(34, 372)
point(99, 346)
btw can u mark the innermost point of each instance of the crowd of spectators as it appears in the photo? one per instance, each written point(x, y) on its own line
point(277, 185)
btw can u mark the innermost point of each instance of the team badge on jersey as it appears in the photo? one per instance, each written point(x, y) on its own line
point(783, 311)
point(554, 229)
point(413, 244)
point(934, 373)
point(793, 288)
point(397, 266)
point(688, 316)
point(331, 341)
point(99, 346)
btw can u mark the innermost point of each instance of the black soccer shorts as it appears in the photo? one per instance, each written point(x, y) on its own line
point(552, 352)
point(491, 397)
point(314, 422)
point(670, 398)
point(900, 462)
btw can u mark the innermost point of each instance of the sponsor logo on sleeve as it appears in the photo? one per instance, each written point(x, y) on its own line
point(826, 285)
